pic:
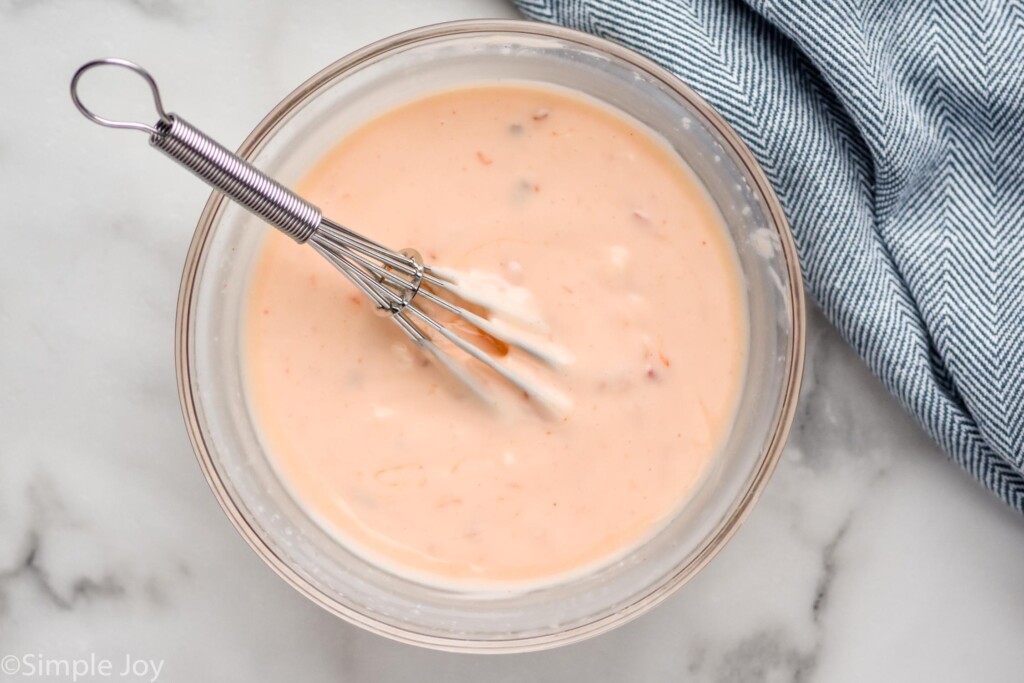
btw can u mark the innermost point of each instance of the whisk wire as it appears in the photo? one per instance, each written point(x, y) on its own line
point(329, 231)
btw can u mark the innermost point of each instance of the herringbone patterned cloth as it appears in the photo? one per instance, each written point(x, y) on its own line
point(893, 132)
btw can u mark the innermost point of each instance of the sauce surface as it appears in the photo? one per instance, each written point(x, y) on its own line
point(628, 264)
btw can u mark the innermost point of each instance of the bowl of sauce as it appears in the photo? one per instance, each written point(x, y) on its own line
point(620, 217)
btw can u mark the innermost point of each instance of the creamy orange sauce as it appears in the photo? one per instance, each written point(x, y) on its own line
point(628, 265)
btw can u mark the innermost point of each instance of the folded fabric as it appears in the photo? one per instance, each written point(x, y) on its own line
point(893, 133)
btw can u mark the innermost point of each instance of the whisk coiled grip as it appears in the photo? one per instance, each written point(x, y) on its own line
point(211, 161)
point(244, 183)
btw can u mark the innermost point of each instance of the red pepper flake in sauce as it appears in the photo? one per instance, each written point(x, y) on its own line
point(447, 500)
point(650, 368)
point(398, 475)
point(484, 159)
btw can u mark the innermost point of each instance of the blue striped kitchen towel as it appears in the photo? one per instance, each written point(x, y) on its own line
point(893, 132)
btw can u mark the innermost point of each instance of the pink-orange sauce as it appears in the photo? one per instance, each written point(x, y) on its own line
point(629, 265)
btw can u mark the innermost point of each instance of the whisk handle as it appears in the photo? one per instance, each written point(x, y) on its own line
point(238, 179)
point(214, 163)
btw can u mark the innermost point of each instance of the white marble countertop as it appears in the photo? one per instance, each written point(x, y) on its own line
point(870, 557)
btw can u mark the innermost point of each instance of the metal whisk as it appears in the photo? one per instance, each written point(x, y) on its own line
point(395, 281)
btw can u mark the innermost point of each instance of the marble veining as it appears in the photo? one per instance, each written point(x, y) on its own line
point(869, 558)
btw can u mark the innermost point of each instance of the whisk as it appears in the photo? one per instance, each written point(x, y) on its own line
point(395, 281)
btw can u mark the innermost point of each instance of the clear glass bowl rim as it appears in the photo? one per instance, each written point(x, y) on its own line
point(254, 142)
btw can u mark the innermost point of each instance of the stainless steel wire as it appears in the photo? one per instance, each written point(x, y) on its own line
point(260, 194)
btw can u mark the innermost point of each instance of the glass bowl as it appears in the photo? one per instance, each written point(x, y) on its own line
point(286, 144)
